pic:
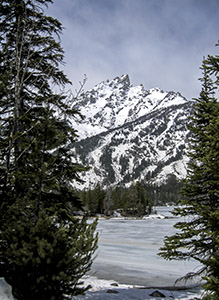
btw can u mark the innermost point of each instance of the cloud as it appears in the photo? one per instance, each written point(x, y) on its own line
point(157, 42)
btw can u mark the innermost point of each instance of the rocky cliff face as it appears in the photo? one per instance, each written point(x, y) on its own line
point(131, 134)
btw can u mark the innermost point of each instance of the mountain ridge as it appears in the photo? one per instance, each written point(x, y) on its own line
point(133, 134)
point(118, 102)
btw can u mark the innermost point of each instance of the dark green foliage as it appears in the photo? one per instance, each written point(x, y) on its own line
point(48, 259)
point(94, 200)
point(165, 193)
point(198, 235)
point(209, 297)
point(132, 201)
point(44, 250)
point(116, 198)
point(135, 200)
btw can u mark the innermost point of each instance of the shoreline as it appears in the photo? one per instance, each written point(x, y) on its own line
point(105, 289)
point(140, 284)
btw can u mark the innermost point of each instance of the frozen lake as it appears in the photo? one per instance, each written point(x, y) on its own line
point(127, 254)
point(128, 251)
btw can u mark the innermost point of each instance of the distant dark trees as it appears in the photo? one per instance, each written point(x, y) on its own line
point(168, 192)
point(136, 200)
point(198, 232)
point(132, 201)
point(44, 250)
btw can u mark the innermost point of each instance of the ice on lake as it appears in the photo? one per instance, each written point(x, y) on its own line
point(128, 251)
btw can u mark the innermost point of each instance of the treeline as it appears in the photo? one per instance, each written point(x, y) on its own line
point(136, 200)
point(166, 193)
point(132, 201)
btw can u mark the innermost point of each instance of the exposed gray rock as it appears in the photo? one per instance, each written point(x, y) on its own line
point(112, 291)
point(157, 294)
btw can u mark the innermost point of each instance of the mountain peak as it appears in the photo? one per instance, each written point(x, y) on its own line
point(122, 82)
point(130, 133)
point(156, 89)
point(125, 80)
point(115, 102)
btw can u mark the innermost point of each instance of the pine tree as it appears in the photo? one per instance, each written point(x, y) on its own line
point(44, 250)
point(116, 196)
point(198, 235)
point(144, 203)
point(98, 197)
point(93, 199)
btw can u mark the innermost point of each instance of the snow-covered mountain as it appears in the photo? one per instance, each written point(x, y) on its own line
point(130, 133)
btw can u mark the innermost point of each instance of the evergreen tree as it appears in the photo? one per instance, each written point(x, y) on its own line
point(99, 196)
point(116, 198)
point(198, 235)
point(94, 199)
point(133, 200)
point(126, 201)
point(44, 250)
point(144, 203)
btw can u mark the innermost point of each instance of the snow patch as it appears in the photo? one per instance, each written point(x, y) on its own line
point(111, 290)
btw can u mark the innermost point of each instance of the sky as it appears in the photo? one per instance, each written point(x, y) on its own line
point(158, 43)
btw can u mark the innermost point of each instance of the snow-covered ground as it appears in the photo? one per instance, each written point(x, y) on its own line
point(5, 291)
